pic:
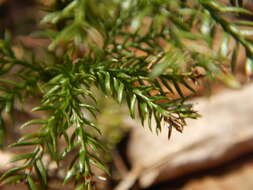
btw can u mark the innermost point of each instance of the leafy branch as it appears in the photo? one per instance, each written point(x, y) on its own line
point(139, 52)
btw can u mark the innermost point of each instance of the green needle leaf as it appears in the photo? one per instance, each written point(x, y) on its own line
point(132, 105)
point(31, 183)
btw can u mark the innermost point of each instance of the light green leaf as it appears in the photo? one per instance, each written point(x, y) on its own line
point(41, 171)
point(108, 83)
point(249, 66)
point(14, 179)
point(132, 105)
point(33, 122)
point(120, 91)
point(31, 183)
point(71, 173)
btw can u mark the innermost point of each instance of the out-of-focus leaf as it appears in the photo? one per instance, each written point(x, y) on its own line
point(205, 27)
point(31, 183)
point(234, 57)
point(98, 163)
point(224, 45)
point(11, 171)
point(57, 16)
point(229, 80)
point(249, 66)
point(14, 178)
point(244, 23)
point(177, 87)
point(80, 187)
point(2, 131)
point(161, 67)
point(71, 173)
point(225, 9)
point(187, 86)
point(64, 36)
point(166, 84)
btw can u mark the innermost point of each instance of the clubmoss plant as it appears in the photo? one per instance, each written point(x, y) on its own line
point(139, 52)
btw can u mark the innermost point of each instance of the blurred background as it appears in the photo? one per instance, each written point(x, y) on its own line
point(214, 152)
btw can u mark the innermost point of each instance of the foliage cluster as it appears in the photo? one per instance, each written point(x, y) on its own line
point(141, 52)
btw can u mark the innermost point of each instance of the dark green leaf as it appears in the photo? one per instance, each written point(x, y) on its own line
point(178, 88)
point(234, 57)
point(2, 131)
point(22, 157)
point(187, 86)
point(143, 111)
point(30, 143)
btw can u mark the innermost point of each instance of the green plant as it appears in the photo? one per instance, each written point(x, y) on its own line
point(137, 51)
